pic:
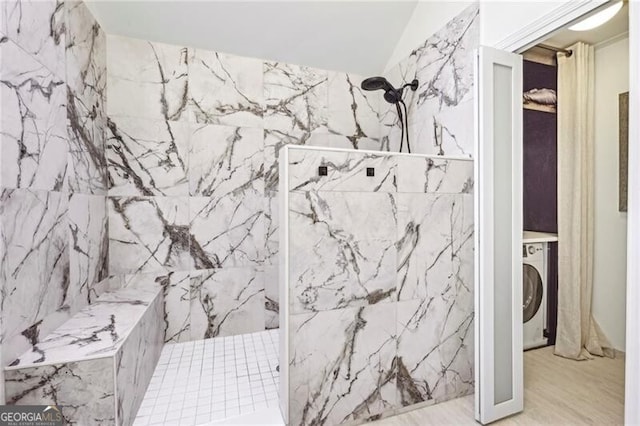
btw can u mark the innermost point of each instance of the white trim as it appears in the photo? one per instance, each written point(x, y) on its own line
point(283, 285)
point(381, 153)
point(632, 372)
point(487, 410)
point(539, 29)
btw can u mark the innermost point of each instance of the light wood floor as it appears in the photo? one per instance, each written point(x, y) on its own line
point(558, 391)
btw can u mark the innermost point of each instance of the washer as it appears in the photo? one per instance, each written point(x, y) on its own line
point(534, 294)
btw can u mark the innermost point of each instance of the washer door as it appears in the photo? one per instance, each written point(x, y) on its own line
point(531, 292)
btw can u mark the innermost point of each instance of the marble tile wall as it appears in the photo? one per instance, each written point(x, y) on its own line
point(380, 312)
point(192, 152)
point(53, 222)
point(441, 110)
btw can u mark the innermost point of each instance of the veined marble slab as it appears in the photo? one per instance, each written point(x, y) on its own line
point(346, 171)
point(433, 175)
point(84, 391)
point(342, 365)
point(343, 247)
point(96, 331)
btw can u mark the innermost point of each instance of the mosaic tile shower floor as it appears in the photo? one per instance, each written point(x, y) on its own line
point(214, 381)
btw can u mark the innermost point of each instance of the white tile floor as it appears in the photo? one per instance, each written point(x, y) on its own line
point(210, 380)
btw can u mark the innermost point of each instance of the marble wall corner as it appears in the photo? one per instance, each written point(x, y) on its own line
point(176, 287)
point(88, 246)
point(440, 112)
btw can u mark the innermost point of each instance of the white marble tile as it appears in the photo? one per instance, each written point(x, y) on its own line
point(435, 347)
point(86, 168)
point(147, 79)
point(38, 27)
point(274, 141)
point(271, 296)
point(341, 366)
point(136, 361)
point(271, 229)
point(35, 267)
point(225, 89)
point(148, 157)
point(404, 72)
point(433, 175)
point(176, 288)
point(435, 244)
point(148, 234)
point(88, 247)
point(225, 160)
point(96, 331)
point(84, 391)
point(295, 98)
point(86, 59)
point(352, 111)
point(86, 76)
point(346, 171)
point(343, 247)
point(226, 302)
point(228, 231)
point(441, 120)
point(33, 139)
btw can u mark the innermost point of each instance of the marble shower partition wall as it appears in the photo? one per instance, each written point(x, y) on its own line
point(380, 284)
point(53, 223)
point(441, 117)
point(193, 139)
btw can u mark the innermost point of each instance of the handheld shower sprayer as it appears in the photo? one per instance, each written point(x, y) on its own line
point(393, 96)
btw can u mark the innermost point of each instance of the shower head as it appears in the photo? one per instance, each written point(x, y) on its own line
point(376, 83)
point(391, 94)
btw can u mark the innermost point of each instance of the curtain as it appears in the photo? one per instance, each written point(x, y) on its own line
point(578, 335)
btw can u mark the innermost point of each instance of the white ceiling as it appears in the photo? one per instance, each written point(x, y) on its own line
point(618, 25)
point(353, 36)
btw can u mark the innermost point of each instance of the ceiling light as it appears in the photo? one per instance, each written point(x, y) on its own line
point(597, 19)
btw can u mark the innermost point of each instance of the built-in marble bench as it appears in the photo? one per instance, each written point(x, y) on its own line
point(97, 365)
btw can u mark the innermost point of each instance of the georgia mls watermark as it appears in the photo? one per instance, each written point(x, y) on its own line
point(30, 415)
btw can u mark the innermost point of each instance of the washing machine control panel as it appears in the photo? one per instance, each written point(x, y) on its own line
point(533, 250)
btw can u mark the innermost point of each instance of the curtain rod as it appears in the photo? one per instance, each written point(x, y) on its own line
point(555, 49)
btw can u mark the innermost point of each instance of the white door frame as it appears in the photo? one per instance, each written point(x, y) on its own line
point(632, 365)
point(533, 34)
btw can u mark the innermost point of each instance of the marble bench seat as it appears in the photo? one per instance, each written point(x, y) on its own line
point(97, 365)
